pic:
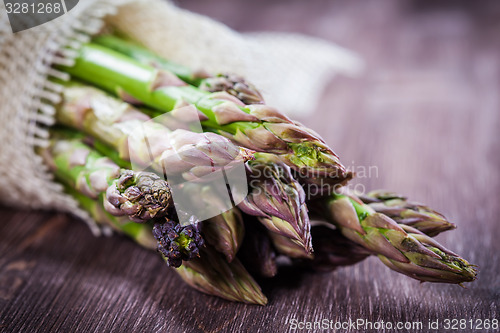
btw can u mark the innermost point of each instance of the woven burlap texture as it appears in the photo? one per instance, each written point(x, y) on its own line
point(299, 67)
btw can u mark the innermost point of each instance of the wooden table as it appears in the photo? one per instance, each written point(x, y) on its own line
point(426, 113)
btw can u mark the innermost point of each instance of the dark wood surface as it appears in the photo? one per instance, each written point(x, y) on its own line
point(426, 113)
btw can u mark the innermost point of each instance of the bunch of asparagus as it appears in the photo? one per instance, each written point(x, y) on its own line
point(117, 86)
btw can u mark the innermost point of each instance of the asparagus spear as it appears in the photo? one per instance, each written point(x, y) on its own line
point(213, 275)
point(278, 200)
point(232, 84)
point(225, 232)
point(116, 123)
point(256, 127)
point(401, 210)
point(400, 247)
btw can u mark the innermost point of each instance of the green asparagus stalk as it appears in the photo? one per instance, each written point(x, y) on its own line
point(278, 200)
point(114, 123)
point(139, 195)
point(225, 232)
point(145, 56)
point(401, 210)
point(213, 275)
point(256, 127)
point(232, 84)
point(400, 247)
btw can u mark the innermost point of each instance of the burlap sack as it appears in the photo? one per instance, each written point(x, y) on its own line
point(289, 69)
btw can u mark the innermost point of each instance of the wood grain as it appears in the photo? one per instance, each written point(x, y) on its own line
point(426, 113)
